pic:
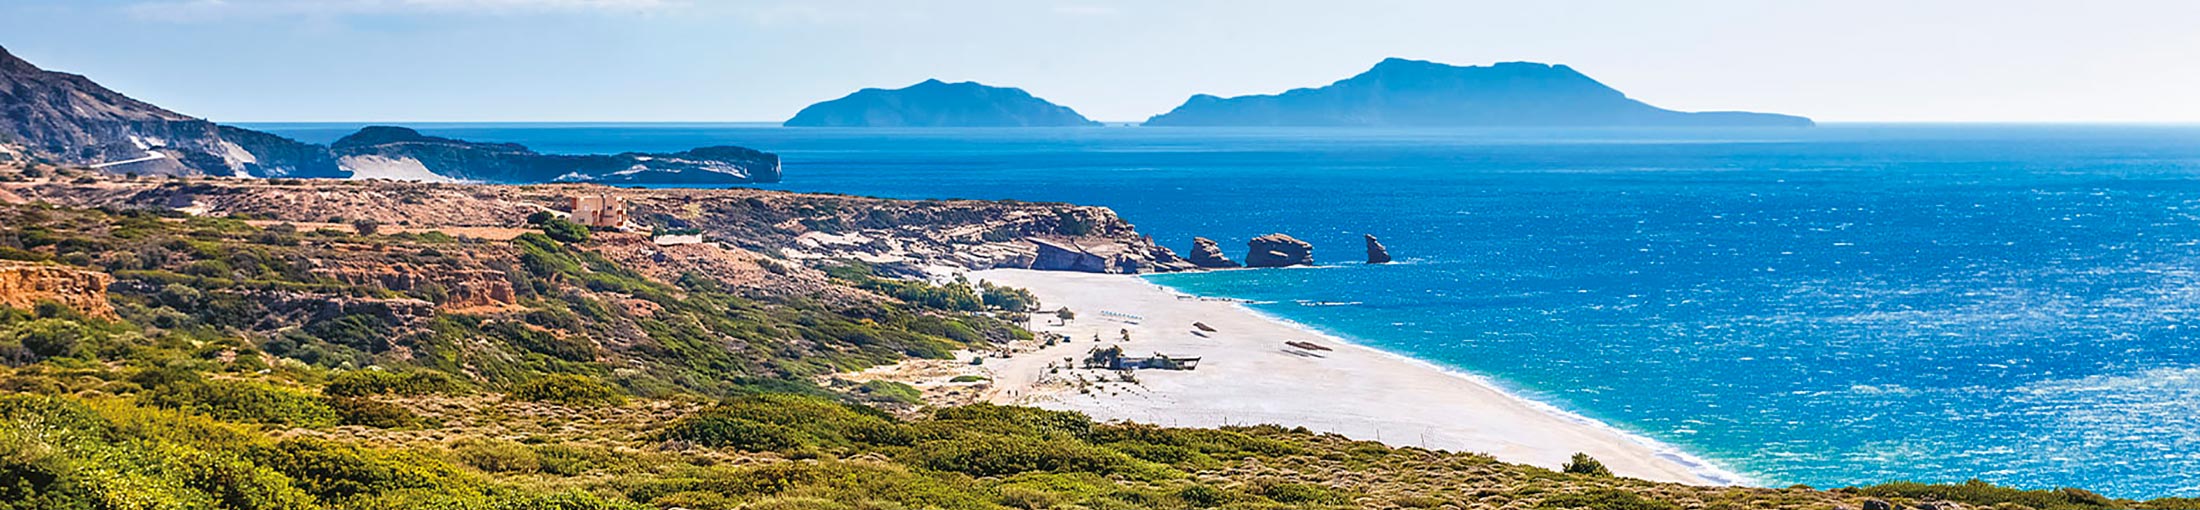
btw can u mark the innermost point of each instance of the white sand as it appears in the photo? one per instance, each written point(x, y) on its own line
point(1248, 376)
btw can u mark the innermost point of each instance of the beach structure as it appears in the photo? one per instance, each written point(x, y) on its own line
point(599, 210)
point(1112, 358)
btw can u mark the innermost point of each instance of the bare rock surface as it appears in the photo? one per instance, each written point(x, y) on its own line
point(1278, 250)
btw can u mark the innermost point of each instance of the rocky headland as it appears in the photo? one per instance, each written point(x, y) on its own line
point(69, 120)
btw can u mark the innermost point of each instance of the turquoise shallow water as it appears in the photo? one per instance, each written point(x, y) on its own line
point(1838, 305)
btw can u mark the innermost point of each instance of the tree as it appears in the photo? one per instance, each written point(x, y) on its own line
point(1065, 315)
point(366, 227)
point(1583, 464)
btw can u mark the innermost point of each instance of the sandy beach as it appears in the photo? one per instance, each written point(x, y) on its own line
point(1249, 373)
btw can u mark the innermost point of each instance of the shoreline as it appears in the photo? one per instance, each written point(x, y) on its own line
point(1249, 375)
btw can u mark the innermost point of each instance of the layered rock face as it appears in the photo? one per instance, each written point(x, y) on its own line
point(1208, 255)
point(387, 151)
point(23, 285)
point(1376, 253)
point(68, 119)
point(1278, 250)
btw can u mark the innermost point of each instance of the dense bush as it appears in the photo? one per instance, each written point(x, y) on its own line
point(996, 455)
point(569, 389)
point(1605, 499)
point(1583, 464)
point(243, 401)
point(1981, 493)
point(565, 231)
point(360, 383)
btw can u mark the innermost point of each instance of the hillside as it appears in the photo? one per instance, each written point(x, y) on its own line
point(252, 355)
point(934, 103)
point(1399, 92)
point(70, 120)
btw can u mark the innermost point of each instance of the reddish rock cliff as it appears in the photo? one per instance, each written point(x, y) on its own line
point(23, 285)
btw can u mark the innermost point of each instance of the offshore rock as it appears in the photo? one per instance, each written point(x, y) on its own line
point(1278, 250)
point(1207, 254)
point(1376, 253)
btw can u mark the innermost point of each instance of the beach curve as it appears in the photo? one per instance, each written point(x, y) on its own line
point(1249, 375)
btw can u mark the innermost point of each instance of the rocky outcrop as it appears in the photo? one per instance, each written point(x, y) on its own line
point(23, 285)
point(1376, 253)
point(404, 153)
point(1208, 255)
point(1056, 255)
point(1278, 250)
point(934, 103)
point(1400, 92)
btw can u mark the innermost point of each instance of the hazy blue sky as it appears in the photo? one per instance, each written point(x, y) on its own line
point(711, 60)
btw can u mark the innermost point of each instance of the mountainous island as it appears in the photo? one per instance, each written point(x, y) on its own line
point(935, 103)
point(1400, 92)
point(69, 119)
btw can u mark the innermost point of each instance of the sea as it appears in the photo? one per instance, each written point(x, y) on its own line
point(1832, 306)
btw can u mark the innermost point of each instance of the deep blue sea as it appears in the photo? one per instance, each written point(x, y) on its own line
point(1838, 305)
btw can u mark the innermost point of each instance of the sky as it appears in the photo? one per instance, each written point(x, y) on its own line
point(763, 60)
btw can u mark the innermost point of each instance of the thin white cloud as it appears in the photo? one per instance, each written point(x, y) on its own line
point(205, 10)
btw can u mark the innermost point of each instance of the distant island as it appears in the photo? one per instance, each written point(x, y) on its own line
point(935, 103)
point(1400, 92)
point(69, 119)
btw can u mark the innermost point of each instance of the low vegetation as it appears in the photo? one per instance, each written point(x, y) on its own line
point(244, 369)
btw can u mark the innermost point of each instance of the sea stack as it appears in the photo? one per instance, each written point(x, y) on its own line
point(1278, 250)
point(1376, 253)
point(1208, 255)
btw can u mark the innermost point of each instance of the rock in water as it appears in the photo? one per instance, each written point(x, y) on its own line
point(1376, 253)
point(1278, 250)
point(1207, 254)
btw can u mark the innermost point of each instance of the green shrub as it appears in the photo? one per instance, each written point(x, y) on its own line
point(565, 231)
point(337, 472)
point(360, 383)
point(1301, 493)
point(997, 455)
point(1583, 464)
point(1605, 499)
point(1978, 492)
point(373, 413)
point(890, 391)
point(496, 456)
point(569, 389)
point(245, 401)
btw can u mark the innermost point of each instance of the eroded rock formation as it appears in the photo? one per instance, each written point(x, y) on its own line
point(1278, 250)
point(23, 285)
point(1376, 253)
point(1206, 254)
